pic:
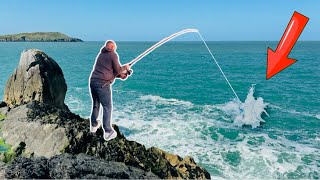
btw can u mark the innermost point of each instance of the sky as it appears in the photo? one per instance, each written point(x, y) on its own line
point(142, 20)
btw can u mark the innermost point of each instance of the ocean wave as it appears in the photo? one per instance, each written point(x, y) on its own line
point(203, 132)
point(292, 111)
point(225, 150)
point(165, 101)
point(77, 105)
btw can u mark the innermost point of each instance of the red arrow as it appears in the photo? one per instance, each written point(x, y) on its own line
point(278, 60)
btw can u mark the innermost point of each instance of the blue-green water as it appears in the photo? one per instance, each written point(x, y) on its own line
point(176, 96)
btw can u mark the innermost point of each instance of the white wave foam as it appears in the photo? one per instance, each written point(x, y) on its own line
point(74, 103)
point(200, 131)
point(247, 113)
point(164, 101)
point(176, 133)
point(197, 131)
point(292, 111)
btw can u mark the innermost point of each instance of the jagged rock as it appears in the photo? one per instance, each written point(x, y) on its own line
point(37, 77)
point(48, 131)
point(68, 166)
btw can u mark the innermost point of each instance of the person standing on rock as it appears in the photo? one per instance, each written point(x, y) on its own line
point(106, 68)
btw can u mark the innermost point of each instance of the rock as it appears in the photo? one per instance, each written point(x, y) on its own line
point(33, 134)
point(68, 166)
point(37, 77)
point(3, 168)
point(65, 132)
point(3, 108)
point(3, 104)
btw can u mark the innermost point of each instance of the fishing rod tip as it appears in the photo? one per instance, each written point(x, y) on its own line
point(191, 30)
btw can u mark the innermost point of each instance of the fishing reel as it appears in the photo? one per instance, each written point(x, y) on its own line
point(125, 74)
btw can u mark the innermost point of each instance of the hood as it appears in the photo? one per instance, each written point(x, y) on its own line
point(105, 50)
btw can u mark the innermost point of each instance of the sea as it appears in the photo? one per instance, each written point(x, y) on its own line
point(178, 100)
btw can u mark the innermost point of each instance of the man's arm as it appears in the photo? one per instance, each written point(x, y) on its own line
point(117, 68)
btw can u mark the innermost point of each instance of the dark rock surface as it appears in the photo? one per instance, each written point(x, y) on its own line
point(3, 104)
point(37, 77)
point(68, 166)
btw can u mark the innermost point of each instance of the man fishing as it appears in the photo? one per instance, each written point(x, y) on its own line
point(106, 68)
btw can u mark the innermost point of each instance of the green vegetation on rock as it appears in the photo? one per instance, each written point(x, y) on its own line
point(39, 37)
point(2, 117)
point(3, 145)
point(6, 152)
point(9, 153)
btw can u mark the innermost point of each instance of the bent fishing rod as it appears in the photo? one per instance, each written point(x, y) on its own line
point(129, 72)
point(155, 46)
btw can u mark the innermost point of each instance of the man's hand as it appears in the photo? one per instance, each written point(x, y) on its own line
point(123, 76)
point(127, 66)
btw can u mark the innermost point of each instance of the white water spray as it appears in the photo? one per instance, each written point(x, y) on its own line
point(247, 113)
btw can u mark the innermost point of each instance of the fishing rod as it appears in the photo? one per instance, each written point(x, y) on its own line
point(155, 46)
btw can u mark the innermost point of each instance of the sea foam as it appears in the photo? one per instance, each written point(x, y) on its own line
point(247, 113)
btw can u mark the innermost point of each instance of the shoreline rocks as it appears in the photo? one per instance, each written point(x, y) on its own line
point(67, 166)
point(40, 130)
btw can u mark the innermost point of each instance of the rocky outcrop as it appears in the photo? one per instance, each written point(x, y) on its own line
point(37, 129)
point(68, 166)
point(49, 141)
point(37, 77)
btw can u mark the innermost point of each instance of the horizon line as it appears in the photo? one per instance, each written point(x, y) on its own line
point(157, 41)
point(200, 40)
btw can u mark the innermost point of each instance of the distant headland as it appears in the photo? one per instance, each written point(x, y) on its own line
point(38, 37)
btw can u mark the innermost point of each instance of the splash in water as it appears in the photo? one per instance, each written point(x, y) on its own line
point(247, 113)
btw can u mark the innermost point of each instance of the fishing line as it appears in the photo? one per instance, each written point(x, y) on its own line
point(204, 42)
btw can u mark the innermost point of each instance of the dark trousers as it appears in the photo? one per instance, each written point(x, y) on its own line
point(101, 94)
